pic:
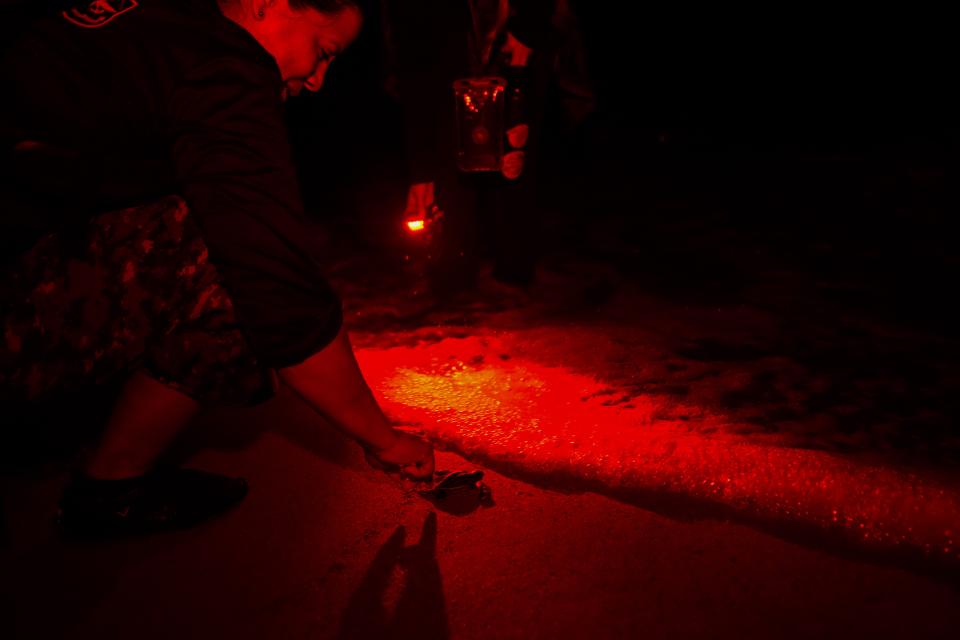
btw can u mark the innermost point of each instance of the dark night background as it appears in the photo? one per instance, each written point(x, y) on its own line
point(825, 138)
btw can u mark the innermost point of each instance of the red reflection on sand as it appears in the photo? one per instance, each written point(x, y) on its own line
point(516, 414)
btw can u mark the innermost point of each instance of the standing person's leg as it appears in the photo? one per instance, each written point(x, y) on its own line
point(455, 257)
point(513, 203)
point(430, 41)
point(515, 234)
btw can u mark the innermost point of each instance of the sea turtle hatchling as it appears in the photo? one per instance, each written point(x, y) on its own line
point(458, 486)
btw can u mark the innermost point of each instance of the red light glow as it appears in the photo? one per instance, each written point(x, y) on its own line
point(415, 225)
point(499, 404)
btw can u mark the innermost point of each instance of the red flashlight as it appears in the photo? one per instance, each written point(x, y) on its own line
point(418, 225)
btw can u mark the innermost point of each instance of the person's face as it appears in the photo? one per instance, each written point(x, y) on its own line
point(304, 42)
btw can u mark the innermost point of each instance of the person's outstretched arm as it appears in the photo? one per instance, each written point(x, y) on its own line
point(331, 382)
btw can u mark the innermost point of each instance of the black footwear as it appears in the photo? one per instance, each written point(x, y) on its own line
point(161, 500)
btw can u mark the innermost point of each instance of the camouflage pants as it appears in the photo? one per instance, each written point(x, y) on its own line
point(141, 296)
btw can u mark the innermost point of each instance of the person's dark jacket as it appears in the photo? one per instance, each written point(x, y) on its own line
point(114, 105)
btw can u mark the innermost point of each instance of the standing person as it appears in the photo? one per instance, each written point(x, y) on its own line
point(155, 230)
point(436, 42)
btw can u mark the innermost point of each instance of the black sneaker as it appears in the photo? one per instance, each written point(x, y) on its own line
point(162, 500)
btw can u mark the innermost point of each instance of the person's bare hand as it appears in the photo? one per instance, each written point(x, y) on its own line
point(518, 52)
point(410, 455)
point(517, 136)
point(420, 199)
point(512, 165)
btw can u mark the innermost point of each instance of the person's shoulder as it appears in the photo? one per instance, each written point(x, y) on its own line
point(186, 31)
point(206, 39)
point(199, 28)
